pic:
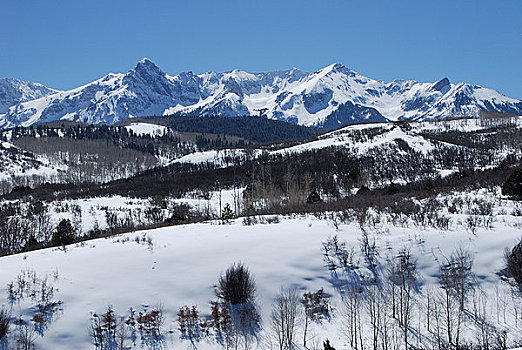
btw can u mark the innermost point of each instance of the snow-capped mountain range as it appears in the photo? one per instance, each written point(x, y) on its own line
point(331, 97)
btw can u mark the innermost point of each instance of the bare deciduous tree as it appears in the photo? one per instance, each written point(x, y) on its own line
point(284, 318)
point(353, 305)
point(403, 271)
point(457, 276)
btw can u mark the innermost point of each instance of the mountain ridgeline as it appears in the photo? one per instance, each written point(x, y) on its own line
point(329, 98)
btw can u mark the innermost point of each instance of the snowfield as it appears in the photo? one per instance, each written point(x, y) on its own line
point(177, 266)
point(147, 129)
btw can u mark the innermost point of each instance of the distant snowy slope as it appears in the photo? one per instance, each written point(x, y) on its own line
point(331, 97)
point(15, 162)
point(360, 139)
point(146, 129)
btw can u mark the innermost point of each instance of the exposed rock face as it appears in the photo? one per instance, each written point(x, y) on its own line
point(442, 85)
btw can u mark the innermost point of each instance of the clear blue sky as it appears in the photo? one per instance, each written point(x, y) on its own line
point(64, 44)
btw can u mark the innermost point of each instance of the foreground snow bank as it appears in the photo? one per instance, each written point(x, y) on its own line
point(178, 266)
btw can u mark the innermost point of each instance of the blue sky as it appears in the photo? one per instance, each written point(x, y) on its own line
point(64, 44)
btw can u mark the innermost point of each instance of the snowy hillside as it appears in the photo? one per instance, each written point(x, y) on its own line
point(15, 162)
point(363, 139)
point(331, 97)
point(382, 135)
point(147, 129)
point(176, 266)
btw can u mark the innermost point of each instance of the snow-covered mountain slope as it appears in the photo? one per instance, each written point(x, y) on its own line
point(331, 97)
point(14, 91)
point(430, 145)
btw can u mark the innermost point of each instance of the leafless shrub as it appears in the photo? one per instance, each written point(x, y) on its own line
point(316, 308)
point(237, 285)
point(25, 340)
point(369, 250)
point(273, 219)
point(250, 220)
point(517, 210)
point(221, 324)
point(150, 323)
point(336, 255)
point(147, 324)
point(103, 329)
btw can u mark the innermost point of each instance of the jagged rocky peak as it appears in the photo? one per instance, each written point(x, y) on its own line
point(146, 67)
point(338, 68)
point(442, 85)
point(148, 75)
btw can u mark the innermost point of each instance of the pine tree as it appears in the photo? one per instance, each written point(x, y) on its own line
point(64, 233)
point(227, 214)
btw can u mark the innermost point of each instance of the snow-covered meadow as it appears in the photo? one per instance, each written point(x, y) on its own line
point(175, 266)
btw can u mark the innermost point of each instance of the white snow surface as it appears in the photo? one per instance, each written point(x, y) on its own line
point(147, 129)
point(341, 138)
point(183, 263)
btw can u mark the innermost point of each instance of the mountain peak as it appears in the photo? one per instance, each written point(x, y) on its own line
point(146, 65)
point(146, 60)
point(442, 85)
point(335, 68)
point(145, 70)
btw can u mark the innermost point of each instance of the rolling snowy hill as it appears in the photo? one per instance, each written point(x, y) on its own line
point(178, 266)
point(331, 97)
